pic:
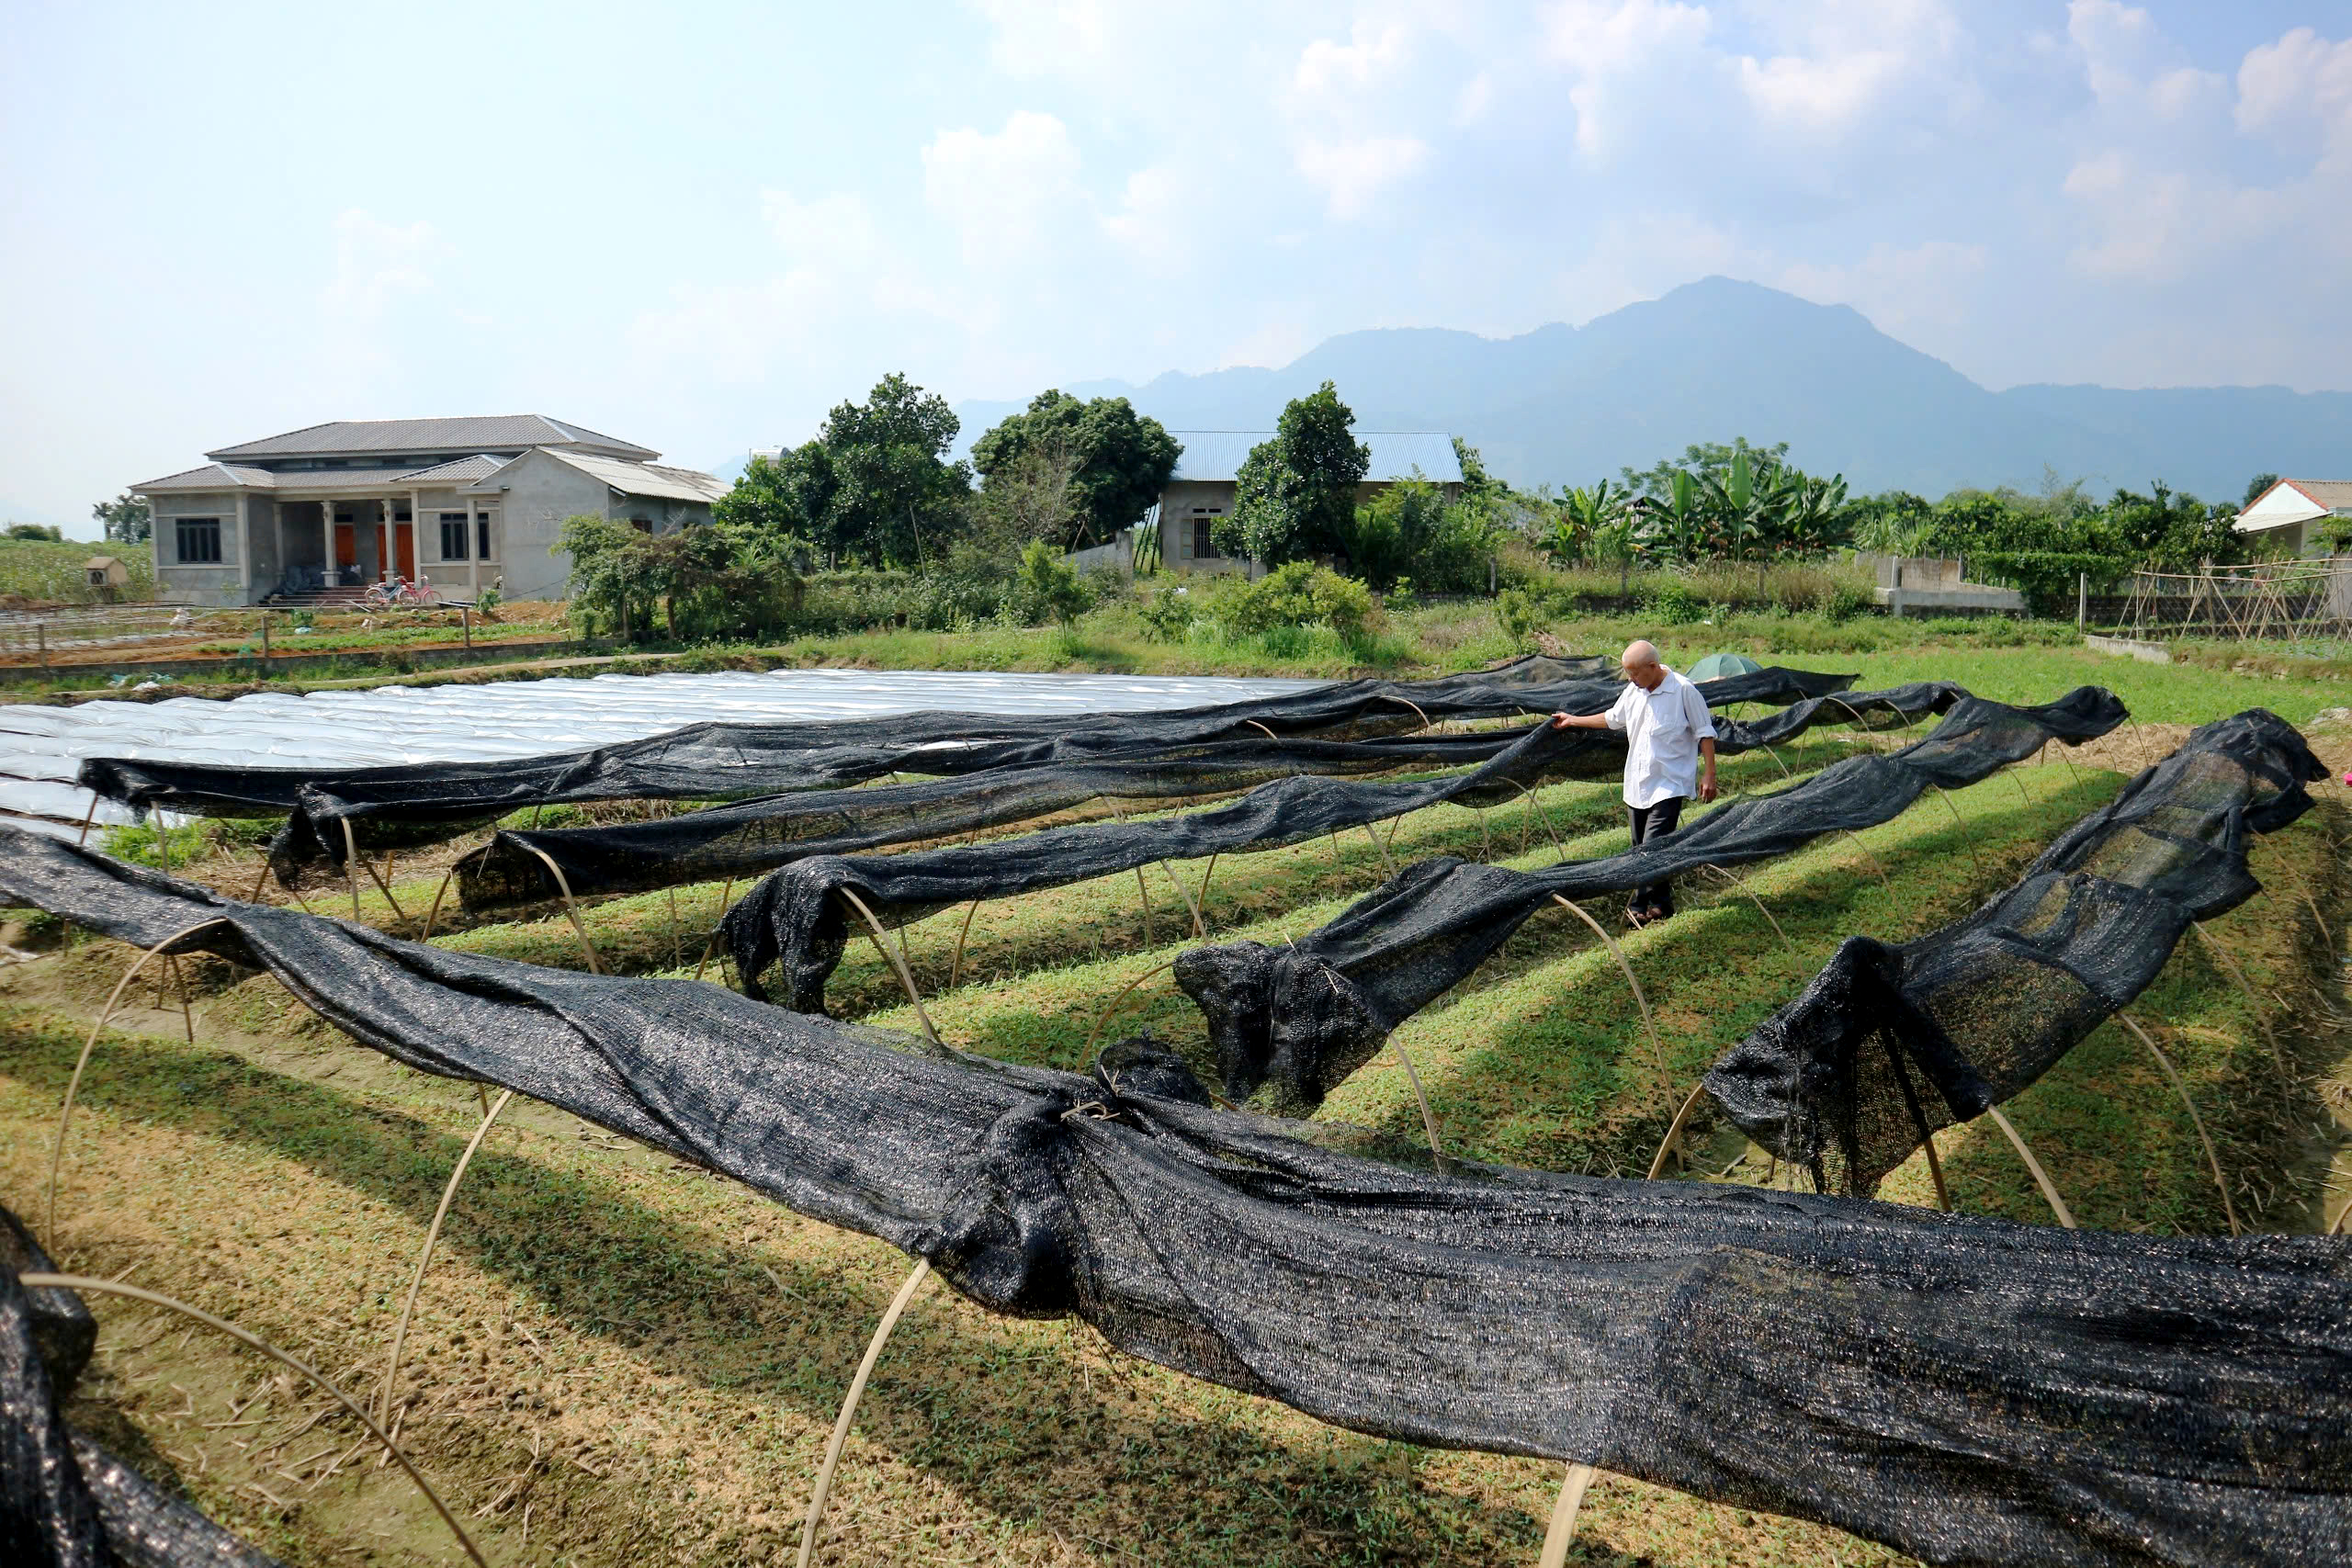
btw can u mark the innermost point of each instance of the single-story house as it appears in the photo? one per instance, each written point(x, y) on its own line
point(1202, 488)
point(463, 504)
point(2292, 512)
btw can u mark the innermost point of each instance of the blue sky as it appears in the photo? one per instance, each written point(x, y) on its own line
point(698, 227)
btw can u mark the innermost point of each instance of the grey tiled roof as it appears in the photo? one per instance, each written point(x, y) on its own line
point(1396, 454)
point(463, 471)
point(212, 476)
point(474, 433)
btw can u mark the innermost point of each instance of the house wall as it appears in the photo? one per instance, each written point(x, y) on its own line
point(1180, 504)
point(536, 493)
point(221, 583)
point(261, 531)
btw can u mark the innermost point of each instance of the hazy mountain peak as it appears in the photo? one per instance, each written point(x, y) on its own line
point(1721, 357)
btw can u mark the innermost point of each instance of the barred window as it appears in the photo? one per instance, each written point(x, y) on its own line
point(198, 539)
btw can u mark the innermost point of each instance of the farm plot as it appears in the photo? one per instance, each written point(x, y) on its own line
point(619, 1356)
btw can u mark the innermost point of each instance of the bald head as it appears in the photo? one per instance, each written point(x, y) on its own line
point(1640, 663)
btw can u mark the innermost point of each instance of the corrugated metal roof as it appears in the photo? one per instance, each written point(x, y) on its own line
point(1213, 455)
point(639, 478)
point(342, 481)
point(472, 433)
point(212, 476)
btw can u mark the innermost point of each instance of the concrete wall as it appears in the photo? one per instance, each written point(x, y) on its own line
point(535, 494)
point(1182, 503)
point(213, 583)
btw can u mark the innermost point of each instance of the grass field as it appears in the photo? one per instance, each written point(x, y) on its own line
point(617, 1359)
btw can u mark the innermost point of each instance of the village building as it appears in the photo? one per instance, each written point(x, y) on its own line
point(464, 504)
point(2293, 516)
point(1202, 488)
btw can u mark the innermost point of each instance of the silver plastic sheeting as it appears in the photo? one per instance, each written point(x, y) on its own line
point(41, 747)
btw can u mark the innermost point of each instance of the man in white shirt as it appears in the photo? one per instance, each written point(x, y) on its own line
point(1670, 757)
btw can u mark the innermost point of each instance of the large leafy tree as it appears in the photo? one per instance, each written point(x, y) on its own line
point(1119, 460)
point(784, 501)
point(897, 499)
point(125, 518)
point(1296, 493)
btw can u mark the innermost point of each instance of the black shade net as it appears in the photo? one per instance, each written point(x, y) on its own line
point(753, 837)
point(399, 806)
point(1889, 1043)
point(797, 922)
point(1295, 1021)
point(1967, 1391)
point(64, 1501)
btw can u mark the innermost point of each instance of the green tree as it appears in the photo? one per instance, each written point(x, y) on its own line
point(1119, 461)
point(48, 533)
point(126, 519)
point(1296, 494)
point(1705, 461)
point(783, 503)
point(2255, 486)
point(897, 500)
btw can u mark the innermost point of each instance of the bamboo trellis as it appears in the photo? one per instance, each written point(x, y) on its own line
point(2286, 600)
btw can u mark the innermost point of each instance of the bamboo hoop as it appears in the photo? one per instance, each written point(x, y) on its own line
point(1919, 1119)
point(1190, 907)
point(724, 894)
point(260, 877)
point(956, 965)
point(1960, 822)
point(424, 1257)
point(179, 983)
point(570, 910)
point(115, 1287)
point(1144, 892)
point(849, 1407)
point(1776, 760)
point(1087, 1054)
point(2172, 1076)
point(677, 943)
point(1414, 706)
point(1658, 1049)
point(87, 817)
point(1563, 1532)
point(1870, 857)
point(1385, 858)
point(1741, 884)
point(1536, 809)
point(1681, 1119)
point(2041, 1177)
point(1428, 1122)
point(906, 978)
point(1262, 730)
point(74, 1086)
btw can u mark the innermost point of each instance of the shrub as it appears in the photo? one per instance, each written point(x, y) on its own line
point(1670, 600)
point(1046, 587)
point(1167, 615)
point(1520, 615)
point(1293, 595)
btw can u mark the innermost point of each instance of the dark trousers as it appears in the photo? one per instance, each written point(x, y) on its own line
point(1649, 821)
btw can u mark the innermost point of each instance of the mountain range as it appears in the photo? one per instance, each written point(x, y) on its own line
point(1720, 358)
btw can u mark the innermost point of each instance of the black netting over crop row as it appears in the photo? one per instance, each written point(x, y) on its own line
point(1838, 1079)
point(1968, 1391)
point(797, 920)
point(753, 837)
point(417, 803)
point(1297, 1019)
point(65, 1502)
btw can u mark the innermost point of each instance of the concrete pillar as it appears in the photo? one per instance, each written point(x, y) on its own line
point(473, 549)
point(326, 530)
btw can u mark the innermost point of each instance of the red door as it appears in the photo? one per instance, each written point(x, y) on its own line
point(347, 547)
point(404, 534)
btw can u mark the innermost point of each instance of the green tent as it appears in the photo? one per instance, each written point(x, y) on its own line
point(1717, 665)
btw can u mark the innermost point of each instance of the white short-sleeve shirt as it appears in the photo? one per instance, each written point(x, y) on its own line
point(1663, 728)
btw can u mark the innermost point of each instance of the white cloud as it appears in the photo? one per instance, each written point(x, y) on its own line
point(2298, 91)
point(1923, 294)
point(1005, 194)
point(1352, 174)
point(375, 264)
